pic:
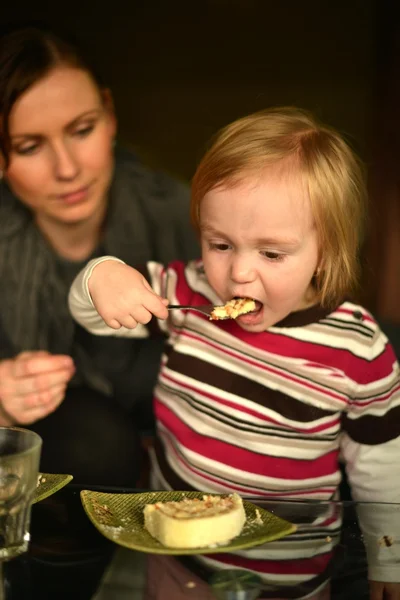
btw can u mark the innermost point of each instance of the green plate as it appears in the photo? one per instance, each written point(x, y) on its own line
point(119, 517)
point(48, 484)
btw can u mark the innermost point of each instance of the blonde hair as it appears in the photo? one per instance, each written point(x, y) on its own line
point(331, 174)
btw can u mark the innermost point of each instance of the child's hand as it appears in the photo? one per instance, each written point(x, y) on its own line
point(123, 297)
point(379, 590)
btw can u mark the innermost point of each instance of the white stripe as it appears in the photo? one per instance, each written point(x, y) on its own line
point(208, 426)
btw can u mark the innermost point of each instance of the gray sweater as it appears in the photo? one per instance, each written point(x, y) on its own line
point(148, 219)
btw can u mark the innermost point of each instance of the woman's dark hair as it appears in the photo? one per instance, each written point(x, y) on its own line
point(27, 55)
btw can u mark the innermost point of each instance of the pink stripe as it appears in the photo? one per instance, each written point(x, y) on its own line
point(390, 394)
point(330, 521)
point(299, 566)
point(358, 369)
point(361, 371)
point(231, 486)
point(239, 458)
point(248, 491)
point(250, 411)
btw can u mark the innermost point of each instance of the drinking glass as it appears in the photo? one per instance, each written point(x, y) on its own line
point(19, 466)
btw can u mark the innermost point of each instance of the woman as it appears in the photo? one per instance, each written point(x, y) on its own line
point(67, 195)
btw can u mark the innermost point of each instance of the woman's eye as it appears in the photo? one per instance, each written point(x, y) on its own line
point(26, 150)
point(84, 131)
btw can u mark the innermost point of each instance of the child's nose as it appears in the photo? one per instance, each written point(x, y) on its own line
point(242, 270)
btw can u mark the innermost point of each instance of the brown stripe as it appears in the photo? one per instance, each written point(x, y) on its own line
point(344, 325)
point(281, 403)
point(302, 374)
point(295, 385)
point(372, 430)
point(304, 317)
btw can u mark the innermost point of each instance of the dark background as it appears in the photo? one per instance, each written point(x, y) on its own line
point(179, 70)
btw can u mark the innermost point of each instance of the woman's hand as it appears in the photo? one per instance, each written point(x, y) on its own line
point(32, 385)
point(123, 297)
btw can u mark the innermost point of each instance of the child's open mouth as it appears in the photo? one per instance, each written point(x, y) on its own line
point(252, 317)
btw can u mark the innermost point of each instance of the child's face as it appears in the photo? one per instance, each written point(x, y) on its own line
point(259, 241)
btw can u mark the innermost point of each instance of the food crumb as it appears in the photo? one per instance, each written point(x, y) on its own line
point(328, 538)
point(386, 540)
point(258, 518)
point(102, 511)
point(113, 531)
point(191, 584)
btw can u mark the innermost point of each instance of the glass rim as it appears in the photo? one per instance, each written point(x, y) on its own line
point(36, 444)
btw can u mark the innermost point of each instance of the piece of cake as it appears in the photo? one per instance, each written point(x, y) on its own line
point(233, 309)
point(193, 523)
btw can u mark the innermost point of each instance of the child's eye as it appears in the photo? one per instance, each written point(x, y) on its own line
point(221, 247)
point(274, 256)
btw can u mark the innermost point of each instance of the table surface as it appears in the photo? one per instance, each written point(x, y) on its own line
point(325, 558)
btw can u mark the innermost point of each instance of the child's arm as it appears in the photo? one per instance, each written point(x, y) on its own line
point(371, 450)
point(110, 298)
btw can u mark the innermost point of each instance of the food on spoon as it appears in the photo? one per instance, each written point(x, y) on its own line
point(233, 309)
point(194, 523)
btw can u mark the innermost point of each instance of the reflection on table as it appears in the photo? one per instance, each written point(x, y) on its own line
point(329, 556)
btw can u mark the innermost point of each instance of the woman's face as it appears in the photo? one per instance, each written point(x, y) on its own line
point(61, 157)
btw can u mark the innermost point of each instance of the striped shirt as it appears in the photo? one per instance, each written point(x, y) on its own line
point(268, 414)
